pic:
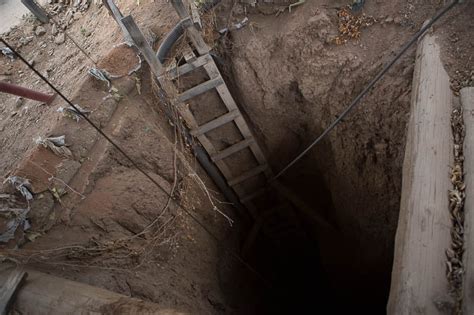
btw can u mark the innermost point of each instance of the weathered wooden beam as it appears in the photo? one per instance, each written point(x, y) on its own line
point(200, 89)
point(215, 123)
point(467, 102)
point(419, 282)
point(9, 290)
point(37, 11)
point(46, 294)
point(195, 15)
point(239, 146)
point(142, 45)
point(188, 67)
point(117, 15)
point(192, 31)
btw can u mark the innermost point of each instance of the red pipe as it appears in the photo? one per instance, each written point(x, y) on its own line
point(26, 93)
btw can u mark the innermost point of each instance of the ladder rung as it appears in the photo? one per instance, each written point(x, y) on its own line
point(252, 196)
point(213, 124)
point(189, 55)
point(188, 67)
point(201, 88)
point(232, 149)
point(247, 175)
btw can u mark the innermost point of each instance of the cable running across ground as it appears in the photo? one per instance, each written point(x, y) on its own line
point(369, 86)
point(135, 164)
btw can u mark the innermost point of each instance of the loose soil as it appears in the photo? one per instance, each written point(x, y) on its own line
point(291, 80)
point(122, 61)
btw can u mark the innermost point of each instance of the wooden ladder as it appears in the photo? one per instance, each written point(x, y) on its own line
point(233, 115)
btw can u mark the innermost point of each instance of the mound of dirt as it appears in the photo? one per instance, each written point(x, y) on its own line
point(122, 60)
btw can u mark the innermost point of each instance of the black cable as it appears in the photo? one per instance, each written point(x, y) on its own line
point(368, 87)
point(141, 170)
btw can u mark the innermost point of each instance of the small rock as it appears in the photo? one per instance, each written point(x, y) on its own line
point(397, 20)
point(77, 15)
point(54, 30)
point(388, 20)
point(18, 102)
point(29, 30)
point(26, 40)
point(40, 31)
point(59, 39)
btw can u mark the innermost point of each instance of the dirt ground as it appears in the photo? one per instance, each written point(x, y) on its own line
point(294, 80)
point(291, 79)
point(112, 228)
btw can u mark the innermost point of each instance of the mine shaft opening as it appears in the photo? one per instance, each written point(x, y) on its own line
point(306, 264)
point(301, 247)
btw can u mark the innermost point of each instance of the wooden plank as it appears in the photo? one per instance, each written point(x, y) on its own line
point(188, 117)
point(192, 32)
point(239, 146)
point(229, 102)
point(199, 89)
point(224, 93)
point(37, 11)
point(145, 48)
point(247, 175)
point(249, 197)
point(216, 123)
point(188, 67)
point(419, 282)
point(9, 289)
point(196, 16)
point(197, 40)
point(117, 15)
point(189, 55)
point(467, 102)
point(180, 8)
point(46, 294)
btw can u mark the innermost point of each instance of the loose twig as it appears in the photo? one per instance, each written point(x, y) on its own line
point(57, 179)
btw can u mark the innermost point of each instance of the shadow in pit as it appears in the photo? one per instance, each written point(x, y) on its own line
point(313, 267)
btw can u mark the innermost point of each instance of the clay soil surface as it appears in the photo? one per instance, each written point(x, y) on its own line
point(294, 78)
point(114, 229)
point(110, 226)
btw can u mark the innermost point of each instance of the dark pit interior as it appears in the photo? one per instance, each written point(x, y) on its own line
point(309, 267)
point(306, 267)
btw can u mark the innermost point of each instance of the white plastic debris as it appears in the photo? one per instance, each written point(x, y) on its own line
point(242, 23)
point(55, 144)
point(16, 218)
point(21, 184)
point(99, 74)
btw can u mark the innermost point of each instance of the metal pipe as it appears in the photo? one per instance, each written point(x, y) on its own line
point(171, 38)
point(26, 93)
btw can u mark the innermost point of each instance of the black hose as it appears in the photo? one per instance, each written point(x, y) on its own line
point(209, 4)
point(369, 86)
point(171, 38)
